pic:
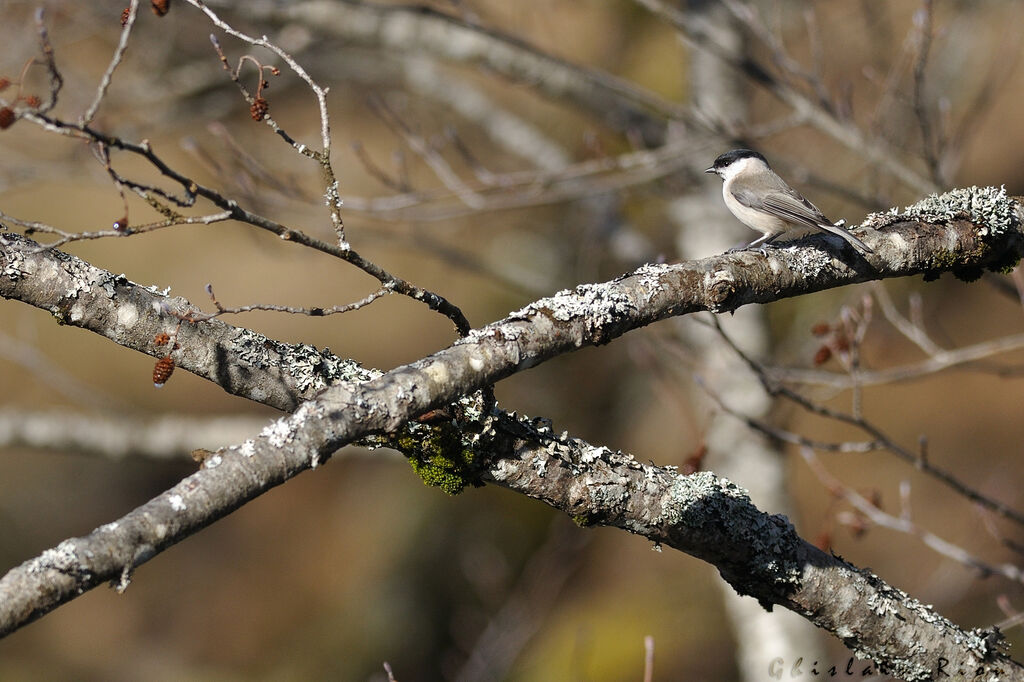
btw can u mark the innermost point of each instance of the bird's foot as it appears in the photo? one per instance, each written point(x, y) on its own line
point(760, 248)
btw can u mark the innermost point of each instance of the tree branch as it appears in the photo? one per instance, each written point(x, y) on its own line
point(702, 515)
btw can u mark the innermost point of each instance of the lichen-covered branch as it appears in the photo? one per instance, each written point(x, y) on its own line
point(708, 517)
point(964, 231)
point(758, 554)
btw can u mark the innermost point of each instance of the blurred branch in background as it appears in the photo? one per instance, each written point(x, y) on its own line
point(166, 437)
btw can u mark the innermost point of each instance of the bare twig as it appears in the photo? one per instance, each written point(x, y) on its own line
point(526, 606)
point(64, 237)
point(50, 373)
point(122, 435)
point(399, 184)
point(904, 524)
point(192, 189)
point(845, 132)
point(913, 330)
point(332, 194)
point(56, 80)
point(437, 163)
point(941, 360)
point(930, 138)
point(294, 310)
point(878, 436)
point(115, 61)
point(519, 189)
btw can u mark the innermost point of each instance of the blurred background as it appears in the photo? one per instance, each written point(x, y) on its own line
point(563, 146)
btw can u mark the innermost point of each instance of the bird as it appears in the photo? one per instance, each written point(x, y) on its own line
point(761, 200)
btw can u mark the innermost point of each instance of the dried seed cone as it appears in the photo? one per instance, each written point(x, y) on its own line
point(162, 371)
point(7, 118)
point(258, 109)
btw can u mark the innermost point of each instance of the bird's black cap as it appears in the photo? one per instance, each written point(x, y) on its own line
point(734, 155)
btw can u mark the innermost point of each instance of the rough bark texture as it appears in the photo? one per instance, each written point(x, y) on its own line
point(703, 515)
point(752, 460)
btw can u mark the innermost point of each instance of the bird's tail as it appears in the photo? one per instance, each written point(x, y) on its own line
point(845, 234)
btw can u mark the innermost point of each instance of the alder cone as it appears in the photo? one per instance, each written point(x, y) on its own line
point(162, 370)
point(7, 118)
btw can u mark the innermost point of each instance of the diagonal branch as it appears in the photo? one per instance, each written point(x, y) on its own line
point(702, 515)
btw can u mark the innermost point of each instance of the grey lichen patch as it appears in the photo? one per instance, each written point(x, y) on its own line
point(707, 509)
point(885, 600)
point(651, 279)
point(314, 369)
point(594, 454)
point(282, 431)
point(311, 369)
point(473, 410)
point(495, 331)
point(652, 275)
point(599, 305)
point(810, 263)
point(109, 283)
point(62, 558)
point(580, 456)
point(309, 410)
point(84, 277)
point(278, 432)
point(989, 208)
point(157, 291)
point(253, 349)
point(687, 492)
point(12, 262)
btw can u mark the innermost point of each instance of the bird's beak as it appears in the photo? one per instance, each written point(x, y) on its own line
point(710, 170)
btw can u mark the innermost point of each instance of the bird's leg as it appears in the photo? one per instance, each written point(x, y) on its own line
point(760, 242)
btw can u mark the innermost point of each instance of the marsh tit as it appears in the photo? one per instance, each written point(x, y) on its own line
point(763, 201)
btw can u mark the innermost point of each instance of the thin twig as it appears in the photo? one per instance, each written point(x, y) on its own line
point(437, 163)
point(56, 80)
point(332, 194)
point(192, 190)
point(923, 20)
point(943, 360)
point(777, 389)
point(115, 61)
point(905, 524)
point(294, 310)
point(822, 118)
point(912, 330)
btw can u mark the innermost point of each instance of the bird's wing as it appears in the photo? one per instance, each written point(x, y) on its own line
point(790, 206)
point(782, 201)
